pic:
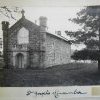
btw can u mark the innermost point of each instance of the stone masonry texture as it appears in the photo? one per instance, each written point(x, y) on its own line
point(57, 51)
point(43, 50)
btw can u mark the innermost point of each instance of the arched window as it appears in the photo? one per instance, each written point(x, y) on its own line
point(23, 36)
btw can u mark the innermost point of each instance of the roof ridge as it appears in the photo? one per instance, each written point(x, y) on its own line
point(21, 20)
point(60, 37)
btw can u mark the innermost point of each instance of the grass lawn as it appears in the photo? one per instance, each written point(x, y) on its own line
point(77, 74)
point(62, 75)
point(1, 72)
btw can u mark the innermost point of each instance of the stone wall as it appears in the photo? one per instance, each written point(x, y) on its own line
point(5, 28)
point(58, 51)
point(43, 50)
point(35, 51)
point(32, 47)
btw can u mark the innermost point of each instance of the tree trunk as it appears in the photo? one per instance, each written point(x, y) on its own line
point(99, 53)
point(99, 65)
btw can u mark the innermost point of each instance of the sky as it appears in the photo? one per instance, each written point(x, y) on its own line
point(58, 18)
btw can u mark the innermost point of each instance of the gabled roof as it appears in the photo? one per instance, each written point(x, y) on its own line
point(31, 26)
point(59, 37)
point(24, 22)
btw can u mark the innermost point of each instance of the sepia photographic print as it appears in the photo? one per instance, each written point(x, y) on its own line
point(49, 46)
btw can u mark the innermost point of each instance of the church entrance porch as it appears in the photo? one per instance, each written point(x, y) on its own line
point(20, 60)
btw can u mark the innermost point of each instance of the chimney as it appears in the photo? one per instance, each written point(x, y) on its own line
point(43, 23)
point(35, 21)
point(5, 28)
point(58, 33)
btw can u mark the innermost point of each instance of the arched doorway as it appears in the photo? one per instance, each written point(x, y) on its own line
point(20, 60)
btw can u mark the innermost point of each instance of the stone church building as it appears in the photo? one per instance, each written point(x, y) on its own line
point(27, 44)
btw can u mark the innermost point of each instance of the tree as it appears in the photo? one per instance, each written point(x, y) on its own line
point(89, 19)
point(9, 12)
point(80, 55)
point(86, 54)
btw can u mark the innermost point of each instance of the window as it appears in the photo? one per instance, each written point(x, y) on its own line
point(23, 36)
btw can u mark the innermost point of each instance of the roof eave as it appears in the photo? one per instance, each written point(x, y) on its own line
point(59, 38)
